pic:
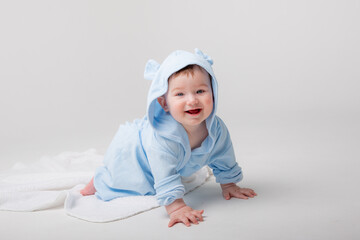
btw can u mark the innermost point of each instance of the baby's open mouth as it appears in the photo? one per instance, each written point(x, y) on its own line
point(194, 111)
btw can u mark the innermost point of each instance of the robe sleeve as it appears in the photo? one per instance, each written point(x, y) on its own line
point(163, 158)
point(222, 160)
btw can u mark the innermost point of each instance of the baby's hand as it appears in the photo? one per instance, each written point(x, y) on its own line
point(230, 190)
point(186, 215)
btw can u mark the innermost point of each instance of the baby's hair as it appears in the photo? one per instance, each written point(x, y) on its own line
point(189, 69)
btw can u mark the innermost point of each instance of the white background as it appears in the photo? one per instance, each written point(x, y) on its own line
point(288, 73)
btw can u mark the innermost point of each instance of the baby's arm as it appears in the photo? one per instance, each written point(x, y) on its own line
point(230, 190)
point(180, 212)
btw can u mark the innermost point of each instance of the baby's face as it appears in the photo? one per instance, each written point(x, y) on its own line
point(189, 98)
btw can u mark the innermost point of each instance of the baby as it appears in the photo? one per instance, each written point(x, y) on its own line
point(179, 135)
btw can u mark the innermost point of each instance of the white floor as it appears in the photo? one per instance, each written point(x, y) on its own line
point(305, 172)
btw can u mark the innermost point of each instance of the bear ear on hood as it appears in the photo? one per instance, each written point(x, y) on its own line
point(203, 55)
point(151, 69)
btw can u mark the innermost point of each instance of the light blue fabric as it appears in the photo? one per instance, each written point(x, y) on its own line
point(149, 155)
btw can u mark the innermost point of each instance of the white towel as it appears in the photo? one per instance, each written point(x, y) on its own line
point(56, 181)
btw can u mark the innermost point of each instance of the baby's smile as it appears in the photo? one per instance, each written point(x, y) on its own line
point(194, 111)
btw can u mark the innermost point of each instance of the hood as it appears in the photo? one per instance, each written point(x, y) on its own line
point(159, 74)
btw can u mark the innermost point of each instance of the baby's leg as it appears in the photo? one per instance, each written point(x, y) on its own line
point(89, 189)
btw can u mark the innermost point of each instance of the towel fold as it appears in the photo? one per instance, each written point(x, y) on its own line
point(56, 181)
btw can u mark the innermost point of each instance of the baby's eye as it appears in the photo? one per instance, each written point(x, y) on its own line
point(200, 91)
point(179, 94)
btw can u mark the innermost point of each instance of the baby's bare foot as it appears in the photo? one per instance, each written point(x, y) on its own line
point(89, 189)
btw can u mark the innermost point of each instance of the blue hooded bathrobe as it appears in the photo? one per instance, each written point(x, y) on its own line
point(149, 155)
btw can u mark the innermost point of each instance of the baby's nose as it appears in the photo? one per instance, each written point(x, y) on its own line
point(192, 100)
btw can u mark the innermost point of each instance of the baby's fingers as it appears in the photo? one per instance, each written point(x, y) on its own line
point(198, 215)
point(178, 219)
point(248, 192)
point(241, 196)
point(226, 195)
point(186, 221)
point(174, 221)
point(193, 219)
point(238, 194)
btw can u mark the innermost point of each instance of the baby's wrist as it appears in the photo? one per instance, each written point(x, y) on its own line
point(227, 185)
point(174, 206)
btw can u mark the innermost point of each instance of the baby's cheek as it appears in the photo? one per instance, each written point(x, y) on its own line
point(209, 101)
point(177, 108)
